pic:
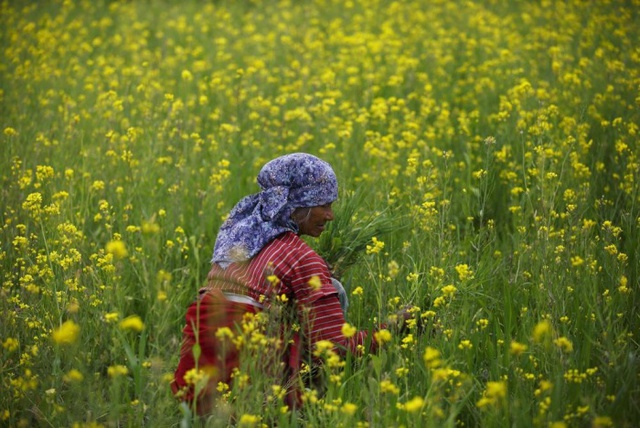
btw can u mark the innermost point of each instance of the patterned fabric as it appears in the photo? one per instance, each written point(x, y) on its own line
point(297, 180)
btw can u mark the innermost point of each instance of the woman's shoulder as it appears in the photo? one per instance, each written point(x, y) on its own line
point(291, 258)
point(289, 240)
point(288, 246)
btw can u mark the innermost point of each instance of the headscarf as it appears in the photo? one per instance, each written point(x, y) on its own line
point(296, 180)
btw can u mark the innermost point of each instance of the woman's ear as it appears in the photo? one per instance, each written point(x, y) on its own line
point(300, 214)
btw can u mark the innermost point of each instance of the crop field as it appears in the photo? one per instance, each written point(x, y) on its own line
point(487, 154)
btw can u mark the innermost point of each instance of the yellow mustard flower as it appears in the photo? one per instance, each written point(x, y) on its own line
point(382, 336)
point(132, 323)
point(348, 330)
point(117, 248)
point(67, 333)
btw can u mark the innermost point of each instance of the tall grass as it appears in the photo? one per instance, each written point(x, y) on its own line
point(500, 139)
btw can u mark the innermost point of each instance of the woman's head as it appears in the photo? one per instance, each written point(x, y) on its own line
point(296, 186)
point(312, 220)
point(309, 181)
point(296, 195)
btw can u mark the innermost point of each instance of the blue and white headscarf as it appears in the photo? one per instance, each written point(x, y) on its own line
point(297, 180)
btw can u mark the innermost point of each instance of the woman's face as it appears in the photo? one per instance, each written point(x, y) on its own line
point(311, 221)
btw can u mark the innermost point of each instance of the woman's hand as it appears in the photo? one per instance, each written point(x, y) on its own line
point(405, 319)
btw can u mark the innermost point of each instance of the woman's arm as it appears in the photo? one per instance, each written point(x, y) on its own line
point(319, 309)
point(324, 320)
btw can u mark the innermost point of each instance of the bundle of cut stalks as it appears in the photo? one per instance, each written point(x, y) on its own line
point(344, 241)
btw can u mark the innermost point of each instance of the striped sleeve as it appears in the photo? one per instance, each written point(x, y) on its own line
point(325, 323)
point(319, 307)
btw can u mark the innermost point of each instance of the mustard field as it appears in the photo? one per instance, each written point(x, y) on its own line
point(489, 151)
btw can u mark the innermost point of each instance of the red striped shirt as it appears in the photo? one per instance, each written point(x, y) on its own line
point(294, 264)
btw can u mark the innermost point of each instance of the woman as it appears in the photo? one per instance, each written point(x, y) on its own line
point(261, 265)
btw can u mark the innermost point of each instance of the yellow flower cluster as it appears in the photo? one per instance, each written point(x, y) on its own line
point(132, 323)
point(494, 394)
point(67, 333)
point(375, 247)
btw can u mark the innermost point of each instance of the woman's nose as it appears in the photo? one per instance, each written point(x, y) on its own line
point(329, 214)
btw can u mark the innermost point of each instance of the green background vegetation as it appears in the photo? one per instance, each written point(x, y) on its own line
point(500, 139)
